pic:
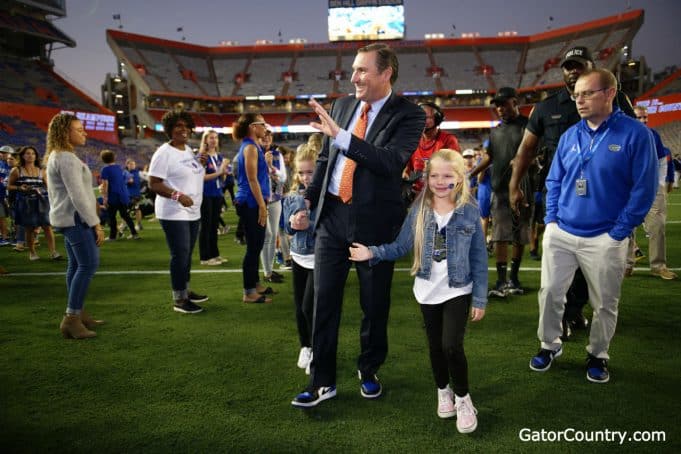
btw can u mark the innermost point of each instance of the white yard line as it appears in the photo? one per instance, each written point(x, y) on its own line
point(219, 271)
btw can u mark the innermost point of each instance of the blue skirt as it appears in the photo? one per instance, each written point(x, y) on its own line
point(31, 211)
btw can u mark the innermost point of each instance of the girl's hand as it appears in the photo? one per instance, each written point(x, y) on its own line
point(262, 215)
point(268, 158)
point(477, 314)
point(360, 253)
point(300, 220)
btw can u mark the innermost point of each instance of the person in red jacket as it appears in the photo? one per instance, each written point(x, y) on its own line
point(432, 140)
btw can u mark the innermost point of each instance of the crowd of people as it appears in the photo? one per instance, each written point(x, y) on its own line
point(379, 180)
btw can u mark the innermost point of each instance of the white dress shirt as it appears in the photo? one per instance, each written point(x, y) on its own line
point(342, 140)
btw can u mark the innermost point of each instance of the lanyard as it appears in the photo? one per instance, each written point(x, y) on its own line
point(214, 160)
point(585, 156)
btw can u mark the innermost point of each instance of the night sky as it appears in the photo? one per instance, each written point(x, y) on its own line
point(207, 22)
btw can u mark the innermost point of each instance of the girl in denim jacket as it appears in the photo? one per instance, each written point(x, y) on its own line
point(450, 264)
point(299, 223)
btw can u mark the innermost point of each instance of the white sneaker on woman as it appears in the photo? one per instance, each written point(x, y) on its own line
point(445, 403)
point(466, 419)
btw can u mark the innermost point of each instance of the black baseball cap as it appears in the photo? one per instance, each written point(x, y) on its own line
point(580, 54)
point(503, 94)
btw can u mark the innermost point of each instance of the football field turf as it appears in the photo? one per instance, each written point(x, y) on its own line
point(157, 381)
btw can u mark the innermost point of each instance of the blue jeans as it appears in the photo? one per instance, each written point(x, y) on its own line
point(181, 238)
point(83, 255)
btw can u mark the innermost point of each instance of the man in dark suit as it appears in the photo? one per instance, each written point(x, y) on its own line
point(356, 192)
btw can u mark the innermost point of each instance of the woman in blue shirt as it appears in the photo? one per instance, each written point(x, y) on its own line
point(212, 199)
point(252, 191)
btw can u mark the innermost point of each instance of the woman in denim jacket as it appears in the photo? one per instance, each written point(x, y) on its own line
point(299, 223)
point(450, 264)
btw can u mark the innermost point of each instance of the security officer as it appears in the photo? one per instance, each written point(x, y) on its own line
point(548, 121)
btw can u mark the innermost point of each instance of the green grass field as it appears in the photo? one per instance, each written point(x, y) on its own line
point(158, 381)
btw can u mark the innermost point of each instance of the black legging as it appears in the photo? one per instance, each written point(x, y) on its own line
point(113, 227)
point(208, 236)
point(303, 297)
point(255, 238)
point(445, 328)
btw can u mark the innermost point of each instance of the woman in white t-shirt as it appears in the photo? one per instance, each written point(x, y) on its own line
point(176, 176)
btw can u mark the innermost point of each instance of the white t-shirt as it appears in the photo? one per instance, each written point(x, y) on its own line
point(181, 171)
point(436, 290)
point(306, 261)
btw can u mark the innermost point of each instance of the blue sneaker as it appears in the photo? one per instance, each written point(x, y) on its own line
point(309, 399)
point(597, 370)
point(542, 361)
point(370, 387)
point(4, 242)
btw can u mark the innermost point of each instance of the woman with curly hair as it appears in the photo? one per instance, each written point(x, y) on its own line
point(32, 207)
point(176, 176)
point(73, 212)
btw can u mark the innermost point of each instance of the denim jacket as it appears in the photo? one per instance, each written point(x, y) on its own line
point(302, 241)
point(466, 252)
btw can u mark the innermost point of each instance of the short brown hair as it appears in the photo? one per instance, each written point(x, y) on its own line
point(107, 156)
point(605, 77)
point(385, 58)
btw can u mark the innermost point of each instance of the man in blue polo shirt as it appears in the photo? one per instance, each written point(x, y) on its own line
point(601, 184)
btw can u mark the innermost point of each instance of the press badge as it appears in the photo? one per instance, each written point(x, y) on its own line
point(580, 187)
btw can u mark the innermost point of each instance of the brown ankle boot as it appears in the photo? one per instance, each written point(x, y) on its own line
point(88, 321)
point(72, 328)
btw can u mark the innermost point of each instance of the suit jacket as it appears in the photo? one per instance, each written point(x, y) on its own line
point(377, 207)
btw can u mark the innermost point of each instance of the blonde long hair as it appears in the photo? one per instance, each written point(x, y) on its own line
point(460, 195)
point(58, 134)
point(304, 152)
point(204, 138)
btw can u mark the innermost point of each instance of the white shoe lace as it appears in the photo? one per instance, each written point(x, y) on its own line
point(465, 407)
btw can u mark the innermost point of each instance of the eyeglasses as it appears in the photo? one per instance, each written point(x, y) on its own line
point(586, 94)
point(261, 123)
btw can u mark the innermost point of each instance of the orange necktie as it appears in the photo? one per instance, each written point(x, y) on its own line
point(345, 187)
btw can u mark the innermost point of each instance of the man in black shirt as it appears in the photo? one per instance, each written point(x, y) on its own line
point(548, 121)
point(507, 226)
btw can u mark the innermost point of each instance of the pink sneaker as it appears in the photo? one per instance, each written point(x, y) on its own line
point(445, 405)
point(466, 419)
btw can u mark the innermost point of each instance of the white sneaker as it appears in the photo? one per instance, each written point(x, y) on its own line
point(466, 419)
point(304, 357)
point(445, 405)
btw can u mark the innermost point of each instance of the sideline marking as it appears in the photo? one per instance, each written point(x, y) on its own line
point(166, 272)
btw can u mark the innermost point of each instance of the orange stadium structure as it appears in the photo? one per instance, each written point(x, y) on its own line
point(32, 92)
point(218, 83)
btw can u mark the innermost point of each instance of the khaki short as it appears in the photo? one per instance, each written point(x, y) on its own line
point(506, 225)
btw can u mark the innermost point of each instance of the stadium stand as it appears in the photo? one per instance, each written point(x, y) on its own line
point(32, 82)
point(315, 74)
point(226, 80)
